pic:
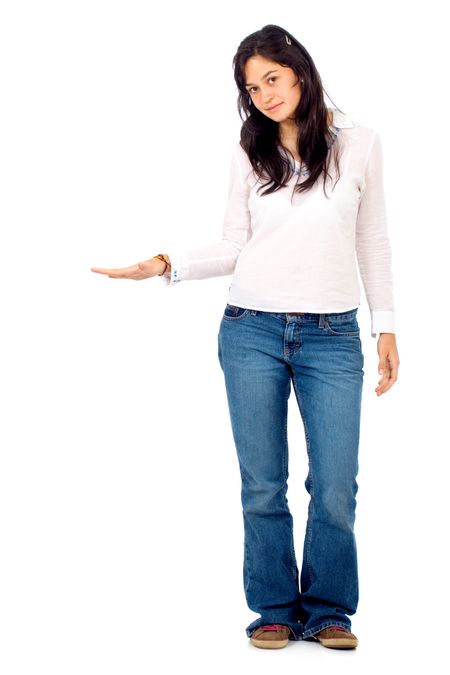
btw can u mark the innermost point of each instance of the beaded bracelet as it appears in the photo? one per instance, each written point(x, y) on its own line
point(165, 259)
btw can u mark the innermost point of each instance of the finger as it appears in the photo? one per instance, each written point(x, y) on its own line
point(105, 270)
point(383, 382)
point(386, 388)
point(391, 373)
point(129, 275)
point(131, 272)
point(392, 378)
point(394, 370)
point(385, 374)
point(123, 272)
point(385, 385)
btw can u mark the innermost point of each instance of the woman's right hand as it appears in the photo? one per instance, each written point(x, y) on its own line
point(149, 268)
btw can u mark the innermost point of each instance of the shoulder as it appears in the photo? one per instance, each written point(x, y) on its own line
point(353, 127)
point(241, 160)
point(239, 153)
point(363, 138)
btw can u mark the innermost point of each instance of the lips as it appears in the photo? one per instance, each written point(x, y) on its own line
point(273, 107)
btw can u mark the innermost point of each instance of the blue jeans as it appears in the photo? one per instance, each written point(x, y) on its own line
point(260, 354)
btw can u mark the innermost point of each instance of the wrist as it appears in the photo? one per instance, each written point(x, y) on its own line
point(165, 264)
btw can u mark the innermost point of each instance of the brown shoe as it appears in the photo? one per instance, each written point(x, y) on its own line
point(336, 637)
point(272, 636)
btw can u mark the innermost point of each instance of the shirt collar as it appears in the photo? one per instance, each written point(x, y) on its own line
point(341, 120)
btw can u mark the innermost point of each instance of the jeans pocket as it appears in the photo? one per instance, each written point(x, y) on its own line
point(345, 326)
point(234, 313)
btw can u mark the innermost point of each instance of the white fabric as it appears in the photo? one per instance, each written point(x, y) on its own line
point(293, 252)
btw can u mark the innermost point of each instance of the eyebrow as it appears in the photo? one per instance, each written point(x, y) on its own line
point(249, 84)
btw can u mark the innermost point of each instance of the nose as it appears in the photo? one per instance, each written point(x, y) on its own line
point(266, 92)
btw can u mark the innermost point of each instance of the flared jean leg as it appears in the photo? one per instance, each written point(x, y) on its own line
point(328, 379)
point(258, 386)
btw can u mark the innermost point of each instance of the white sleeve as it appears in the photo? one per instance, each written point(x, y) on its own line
point(219, 258)
point(373, 247)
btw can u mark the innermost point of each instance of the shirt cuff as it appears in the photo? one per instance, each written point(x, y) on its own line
point(383, 321)
point(177, 272)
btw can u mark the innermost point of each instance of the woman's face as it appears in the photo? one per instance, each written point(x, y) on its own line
point(271, 84)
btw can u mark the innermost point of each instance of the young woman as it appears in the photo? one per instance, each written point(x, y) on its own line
point(293, 224)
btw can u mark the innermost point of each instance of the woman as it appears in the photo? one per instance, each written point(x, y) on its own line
point(290, 239)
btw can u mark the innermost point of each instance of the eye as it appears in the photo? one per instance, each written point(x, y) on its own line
point(274, 77)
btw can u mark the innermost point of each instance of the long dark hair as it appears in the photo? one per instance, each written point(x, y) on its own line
point(259, 134)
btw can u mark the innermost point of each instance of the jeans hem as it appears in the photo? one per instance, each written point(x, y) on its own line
point(326, 624)
point(296, 628)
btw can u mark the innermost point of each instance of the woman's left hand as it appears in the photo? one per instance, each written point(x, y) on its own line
point(388, 363)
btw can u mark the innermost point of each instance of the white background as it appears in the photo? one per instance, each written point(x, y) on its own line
point(121, 525)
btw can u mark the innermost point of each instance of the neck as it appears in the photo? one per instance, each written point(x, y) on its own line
point(288, 130)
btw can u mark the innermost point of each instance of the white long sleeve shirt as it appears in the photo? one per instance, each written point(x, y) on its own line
point(291, 252)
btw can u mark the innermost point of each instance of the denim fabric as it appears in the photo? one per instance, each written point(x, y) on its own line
point(260, 354)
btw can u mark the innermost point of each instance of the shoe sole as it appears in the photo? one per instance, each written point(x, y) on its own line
point(336, 643)
point(269, 644)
